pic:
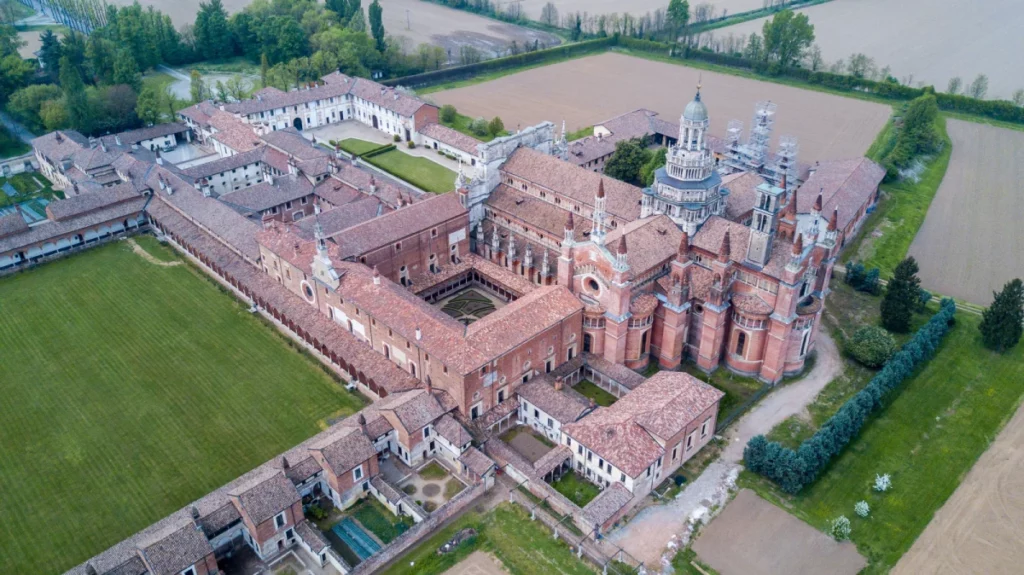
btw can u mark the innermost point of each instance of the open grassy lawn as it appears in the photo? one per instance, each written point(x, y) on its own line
point(927, 439)
point(523, 546)
point(578, 490)
point(600, 396)
point(901, 211)
point(375, 517)
point(358, 147)
point(420, 172)
point(129, 390)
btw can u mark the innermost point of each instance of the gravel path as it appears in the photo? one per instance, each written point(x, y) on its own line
point(654, 529)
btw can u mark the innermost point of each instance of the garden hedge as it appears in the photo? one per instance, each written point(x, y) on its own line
point(793, 470)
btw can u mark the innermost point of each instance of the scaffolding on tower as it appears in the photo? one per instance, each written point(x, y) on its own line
point(785, 163)
point(751, 156)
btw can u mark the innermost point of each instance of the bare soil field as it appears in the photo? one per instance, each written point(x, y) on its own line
point(589, 90)
point(418, 21)
point(980, 529)
point(532, 8)
point(774, 542)
point(970, 242)
point(32, 44)
point(934, 40)
point(478, 563)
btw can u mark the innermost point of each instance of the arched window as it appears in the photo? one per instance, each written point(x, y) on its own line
point(741, 343)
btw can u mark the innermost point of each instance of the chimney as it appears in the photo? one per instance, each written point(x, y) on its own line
point(160, 179)
point(90, 570)
point(117, 139)
point(419, 334)
point(259, 97)
point(135, 146)
point(195, 513)
point(376, 276)
point(373, 185)
point(361, 420)
point(284, 463)
point(558, 384)
point(159, 158)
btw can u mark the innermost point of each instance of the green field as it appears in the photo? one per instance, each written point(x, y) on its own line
point(523, 546)
point(927, 438)
point(131, 389)
point(358, 147)
point(420, 172)
point(576, 489)
point(901, 211)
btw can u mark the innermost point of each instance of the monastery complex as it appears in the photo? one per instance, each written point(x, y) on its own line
point(470, 312)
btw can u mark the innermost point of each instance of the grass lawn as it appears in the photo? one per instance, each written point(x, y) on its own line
point(130, 390)
point(461, 124)
point(359, 147)
point(600, 396)
point(901, 212)
point(581, 133)
point(512, 433)
point(927, 439)
point(737, 388)
point(452, 488)
point(578, 490)
point(375, 517)
point(420, 172)
point(523, 546)
point(27, 185)
point(683, 564)
point(433, 470)
point(160, 81)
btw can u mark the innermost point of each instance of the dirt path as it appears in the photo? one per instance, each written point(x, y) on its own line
point(148, 256)
point(478, 563)
point(980, 529)
point(647, 535)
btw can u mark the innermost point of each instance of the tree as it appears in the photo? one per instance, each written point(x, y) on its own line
point(549, 14)
point(678, 16)
point(871, 346)
point(196, 88)
point(496, 127)
point(212, 35)
point(861, 66)
point(787, 36)
point(49, 54)
point(480, 127)
point(815, 61)
point(15, 73)
point(754, 51)
point(53, 115)
point(901, 297)
point(148, 106)
point(448, 113)
point(238, 87)
point(264, 66)
point(979, 87)
point(657, 160)
point(954, 85)
point(627, 160)
point(26, 104)
point(126, 70)
point(357, 23)
point(75, 99)
point(377, 25)
point(1018, 97)
point(1002, 322)
point(469, 55)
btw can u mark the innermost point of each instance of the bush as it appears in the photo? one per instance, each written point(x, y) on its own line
point(496, 126)
point(840, 528)
point(429, 506)
point(882, 483)
point(862, 509)
point(411, 144)
point(396, 138)
point(448, 113)
point(480, 127)
point(862, 279)
point(871, 346)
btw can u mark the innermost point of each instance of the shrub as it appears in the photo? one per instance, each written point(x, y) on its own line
point(871, 346)
point(496, 126)
point(396, 138)
point(316, 512)
point(409, 489)
point(429, 506)
point(882, 483)
point(448, 113)
point(862, 509)
point(480, 127)
point(840, 528)
point(411, 144)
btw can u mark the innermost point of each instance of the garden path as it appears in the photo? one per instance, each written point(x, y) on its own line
point(148, 256)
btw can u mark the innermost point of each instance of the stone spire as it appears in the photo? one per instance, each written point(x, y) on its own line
point(725, 250)
point(621, 253)
point(798, 245)
point(570, 229)
point(528, 257)
point(684, 248)
point(833, 222)
point(545, 267)
point(789, 214)
point(511, 246)
point(495, 241)
point(323, 268)
point(460, 178)
point(597, 234)
point(818, 202)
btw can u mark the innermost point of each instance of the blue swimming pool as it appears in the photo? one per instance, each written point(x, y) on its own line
point(358, 540)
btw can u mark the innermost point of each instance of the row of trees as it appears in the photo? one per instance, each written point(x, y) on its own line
point(792, 469)
point(917, 136)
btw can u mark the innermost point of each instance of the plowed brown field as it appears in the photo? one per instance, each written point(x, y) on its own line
point(970, 242)
point(589, 90)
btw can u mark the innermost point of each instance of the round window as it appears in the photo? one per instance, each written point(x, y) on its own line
point(309, 291)
point(592, 285)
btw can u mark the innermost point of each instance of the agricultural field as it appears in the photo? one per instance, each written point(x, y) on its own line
point(590, 90)
point(132, 386)
point(927, 439)
point(968, 244)
point(532, 8)
point(933, 41)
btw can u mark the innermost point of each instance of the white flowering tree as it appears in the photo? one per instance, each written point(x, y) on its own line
point(840, 528)
point(883, 483)
point(862, 508)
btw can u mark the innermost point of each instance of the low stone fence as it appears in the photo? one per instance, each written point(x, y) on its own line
point(419, 531)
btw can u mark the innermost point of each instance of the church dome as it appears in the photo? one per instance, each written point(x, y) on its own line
point(696, 111)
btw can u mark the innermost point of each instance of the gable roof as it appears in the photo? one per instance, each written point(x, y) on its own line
point(345, 448)
point(394, 226)
point(265, 496)
point(843, 184)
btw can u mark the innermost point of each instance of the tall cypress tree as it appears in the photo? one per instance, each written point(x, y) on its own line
point(1001, 324)
point(901, 297)
point(75, 99)
point(377, 25)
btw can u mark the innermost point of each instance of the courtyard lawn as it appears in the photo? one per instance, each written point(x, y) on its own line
point(420, 172)
point(926, 439)
point(523, 546)
point(433, 470)
point(376, 518)
point(27, 187)
point(131, 389)
point(592, 391)
point(359, 147)
point(578, 490)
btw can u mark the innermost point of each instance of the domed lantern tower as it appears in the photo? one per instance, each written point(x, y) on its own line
point(688, 188)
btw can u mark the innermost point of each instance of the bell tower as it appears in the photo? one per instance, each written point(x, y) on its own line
point(762, 225)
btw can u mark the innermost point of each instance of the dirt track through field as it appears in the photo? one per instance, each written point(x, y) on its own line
point(970, 242)
point(980, 529)
point(932, 39)
point(589, 90)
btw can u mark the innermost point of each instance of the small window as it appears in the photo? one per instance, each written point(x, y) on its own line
point(357, 473)
point(398, 246)
point(189, 571)
point(280, 520)
point(433, 233)
point(741, 343)
point(426, 432)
